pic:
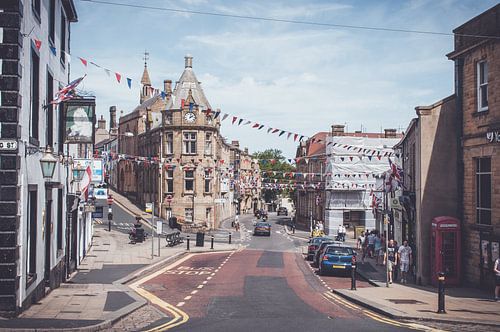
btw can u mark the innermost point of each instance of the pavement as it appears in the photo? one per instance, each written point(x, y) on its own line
point(411, 302)
point(98, 294)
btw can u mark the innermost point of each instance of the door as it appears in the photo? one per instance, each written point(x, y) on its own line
point(449, 254)
point(48, 237)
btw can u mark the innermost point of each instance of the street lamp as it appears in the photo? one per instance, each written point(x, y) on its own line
point(48, 163)
point(78, 173)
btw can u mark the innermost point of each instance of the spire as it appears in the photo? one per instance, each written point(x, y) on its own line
point(145, 80)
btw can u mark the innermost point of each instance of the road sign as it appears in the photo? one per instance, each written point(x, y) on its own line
point(220, 200)
point(110, 200)
point(8, 145)
point(168, 198)
point(149, 207)
point(159, 226)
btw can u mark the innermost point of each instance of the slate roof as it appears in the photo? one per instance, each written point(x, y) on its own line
point(186, 82)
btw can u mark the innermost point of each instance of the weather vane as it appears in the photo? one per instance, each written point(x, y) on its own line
point(146, 57)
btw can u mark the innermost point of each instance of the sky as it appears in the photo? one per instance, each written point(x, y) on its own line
point(298, 78)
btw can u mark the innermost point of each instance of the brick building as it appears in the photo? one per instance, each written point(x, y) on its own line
point(310, 193)
point(477, 89)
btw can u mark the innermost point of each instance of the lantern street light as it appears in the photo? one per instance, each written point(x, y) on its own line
point(48, 163)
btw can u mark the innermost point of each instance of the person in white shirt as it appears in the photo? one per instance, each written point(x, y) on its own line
point(405, 254)
point(496, 269)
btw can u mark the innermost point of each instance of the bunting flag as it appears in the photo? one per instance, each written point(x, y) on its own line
point(53, 50)
point(129, 83)
point(95, 64)
point(182, 103)
point(118, 77)
point(217, 113)
point(83, 61)
point(282, 132)
point(224, 117)
point(108, 72)
point(260, 127)
point(234, 119)
point(38, 44)
point(275, 131)
point(255, 125)
point(191, 105)
point(240, 121)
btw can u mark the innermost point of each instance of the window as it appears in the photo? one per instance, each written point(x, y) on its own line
point(63, 38)
point(208, 214)
point(483, 191)
point(189, 141)
point(168, 118)
point(52, 21)
point(35, 93)
point(208, 143)
point(188, 180)
point(35, 5)
point(32, 223)
point(482, 86)
point(188, 214)
point(50, 110)
point(208, 181)
point(169, 174)
point(169, 143)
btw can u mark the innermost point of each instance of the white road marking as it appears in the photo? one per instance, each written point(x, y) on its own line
point(208, 278)
point(204, 282)
point(180, 304)
point(187, 297)
point(200, 286)
point(194, 292)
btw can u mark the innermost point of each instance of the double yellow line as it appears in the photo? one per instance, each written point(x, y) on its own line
point(335, 298)
point(179, 316)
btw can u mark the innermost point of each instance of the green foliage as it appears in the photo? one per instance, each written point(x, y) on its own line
point(272, 160)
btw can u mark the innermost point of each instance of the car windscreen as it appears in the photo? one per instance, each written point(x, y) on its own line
point(262, 224)
point(339, 251)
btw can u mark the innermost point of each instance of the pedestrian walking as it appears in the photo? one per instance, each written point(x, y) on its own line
point(396, 265)
point(390, 258)
point(371, 244)
point(361, 240)
point(405, 258)
point(237, 223)
point(496, 269)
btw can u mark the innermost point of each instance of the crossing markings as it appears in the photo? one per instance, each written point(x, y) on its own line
point(194, 292)
point(187, 298)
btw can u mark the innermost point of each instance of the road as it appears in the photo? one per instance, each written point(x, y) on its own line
point(267, 285)
point(122, 221)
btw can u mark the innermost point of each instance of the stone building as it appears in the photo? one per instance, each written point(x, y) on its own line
point(428, 147)
point(477, 89)
point(34, 248)
point(176, 156)
point(310, 194)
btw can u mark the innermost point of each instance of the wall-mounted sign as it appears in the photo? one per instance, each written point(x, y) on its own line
point(8, 145)
point(79, 119)
point(493, 136)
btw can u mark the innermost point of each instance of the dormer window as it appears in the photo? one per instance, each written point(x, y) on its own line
point(482, 86)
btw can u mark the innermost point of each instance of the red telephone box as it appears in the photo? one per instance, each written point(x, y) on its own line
point(446, 250)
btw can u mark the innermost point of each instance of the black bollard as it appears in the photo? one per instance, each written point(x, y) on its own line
point(441, 279)
point(229, 238)
point(212, 242)
point(353, 273)
point(188, 242)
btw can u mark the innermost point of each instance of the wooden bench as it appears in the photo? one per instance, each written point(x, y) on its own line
point(174, 239)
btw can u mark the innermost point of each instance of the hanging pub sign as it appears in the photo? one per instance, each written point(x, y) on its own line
point(493, 136)
point(79, 120)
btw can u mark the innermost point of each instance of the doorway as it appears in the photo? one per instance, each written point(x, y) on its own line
point(48, 238)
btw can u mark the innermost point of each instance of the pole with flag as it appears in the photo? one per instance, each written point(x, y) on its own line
point(68, 92)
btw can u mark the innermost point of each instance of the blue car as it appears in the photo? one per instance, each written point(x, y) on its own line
point(336, 258)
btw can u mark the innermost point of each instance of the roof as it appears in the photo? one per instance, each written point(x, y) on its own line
point(145, 76)
point(188, 81)
point(317, 148)
point(370, 135)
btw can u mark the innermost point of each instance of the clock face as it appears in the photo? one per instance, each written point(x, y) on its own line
point(190, 117)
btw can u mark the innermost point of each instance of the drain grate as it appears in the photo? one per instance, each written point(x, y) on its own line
point(405, 301)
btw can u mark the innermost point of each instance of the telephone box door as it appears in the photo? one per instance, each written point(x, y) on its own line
point(446, 249)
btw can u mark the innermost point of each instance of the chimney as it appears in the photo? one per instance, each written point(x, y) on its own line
point(338, 130)
point(188, 61)
point(390, 133)
point(101, 123)
point(167, 86)
point(112, 117)
point(235, 143)
point(246, 150)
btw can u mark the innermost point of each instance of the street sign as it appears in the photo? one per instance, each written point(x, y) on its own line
point(168, 198)
point(110, 200)
point(159, 226)
point(8, 145)
point(219, 200)
point(149, 207)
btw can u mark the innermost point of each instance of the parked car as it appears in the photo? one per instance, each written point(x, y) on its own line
point(336, 258)
point(320, 251)
point(313, 245)
point(282, 211)
point(262, 228)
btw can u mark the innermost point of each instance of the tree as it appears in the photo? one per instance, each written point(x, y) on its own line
point(270, 161)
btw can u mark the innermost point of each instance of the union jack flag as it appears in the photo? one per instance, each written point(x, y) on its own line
point(68, 92)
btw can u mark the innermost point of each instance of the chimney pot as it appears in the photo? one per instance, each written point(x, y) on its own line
point(188, 61)
point(235, 143)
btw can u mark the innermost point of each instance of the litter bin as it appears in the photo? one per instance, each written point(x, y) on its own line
point(172, 222)
point(200, 239)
